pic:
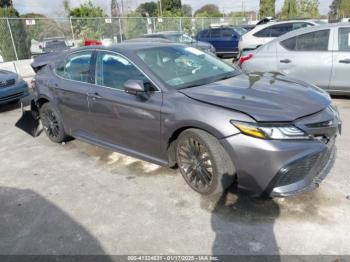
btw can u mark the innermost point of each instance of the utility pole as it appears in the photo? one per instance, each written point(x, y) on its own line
point(160, 8)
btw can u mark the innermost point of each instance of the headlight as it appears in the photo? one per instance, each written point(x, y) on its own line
point(270, 131)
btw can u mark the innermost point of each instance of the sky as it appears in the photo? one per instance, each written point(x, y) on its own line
point(55, 7)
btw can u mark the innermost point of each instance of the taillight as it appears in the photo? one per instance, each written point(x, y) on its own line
point(244, 58)
point(32, 83)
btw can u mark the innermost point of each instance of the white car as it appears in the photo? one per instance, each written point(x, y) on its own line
point(265, 33)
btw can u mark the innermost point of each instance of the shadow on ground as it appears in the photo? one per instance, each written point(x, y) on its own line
point(243, 225)
point(30, 224)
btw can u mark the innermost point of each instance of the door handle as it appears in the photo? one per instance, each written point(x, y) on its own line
point(94, 95)
point(345, 61)
point(286, 61)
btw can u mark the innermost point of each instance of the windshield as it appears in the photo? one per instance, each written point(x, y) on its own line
point(240, 30)
point(180, 38)
point(55, 44)
point(184, 67)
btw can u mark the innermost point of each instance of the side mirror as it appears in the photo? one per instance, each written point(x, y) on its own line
point(134, 87)
point(40, 46)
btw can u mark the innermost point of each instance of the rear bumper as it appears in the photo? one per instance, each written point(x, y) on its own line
point(279, 168)
point(14, 92)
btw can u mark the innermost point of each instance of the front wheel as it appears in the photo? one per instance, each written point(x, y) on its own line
point(203, 162)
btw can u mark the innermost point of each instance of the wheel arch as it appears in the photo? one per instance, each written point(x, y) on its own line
point(171, 140)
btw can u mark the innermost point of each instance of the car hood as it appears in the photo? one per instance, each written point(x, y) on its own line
point(6, 75)
point(269, 97)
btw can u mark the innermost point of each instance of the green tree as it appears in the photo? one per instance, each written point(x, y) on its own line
point(308, 8)
point(289, 9)
point(171, 5)
point(22, 43)
point(149, 7)
point(187, 10)
point(85, 27)
point(6, 3)
point(334, 10)
point(344, 8)
point(267, 8)
point(209, 10)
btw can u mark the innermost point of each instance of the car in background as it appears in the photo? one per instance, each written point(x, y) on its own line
point(56, 44)
point(266, 32)
point(224, 39)
point(179, 37)
point(317, 55)
point(178, 106)
point(12, 87)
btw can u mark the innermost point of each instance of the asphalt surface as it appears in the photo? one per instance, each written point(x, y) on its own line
point(75, 198)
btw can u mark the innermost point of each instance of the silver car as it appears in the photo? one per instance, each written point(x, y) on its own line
point(318, 55)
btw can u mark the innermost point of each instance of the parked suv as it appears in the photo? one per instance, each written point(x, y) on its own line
point(265, 33)
point(224, 39)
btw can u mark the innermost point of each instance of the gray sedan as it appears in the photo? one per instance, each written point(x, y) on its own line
point(177, 106)
point(318, 55)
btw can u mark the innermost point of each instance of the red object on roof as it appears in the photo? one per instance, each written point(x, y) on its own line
point(88, 42)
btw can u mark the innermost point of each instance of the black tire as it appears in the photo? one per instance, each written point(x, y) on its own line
point(209, 170)
point(52, 123)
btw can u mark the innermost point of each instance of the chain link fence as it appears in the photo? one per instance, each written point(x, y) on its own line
point(23, 38)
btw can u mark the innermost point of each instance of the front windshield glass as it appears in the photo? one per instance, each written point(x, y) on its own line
point(184, 67)
point(240, 30)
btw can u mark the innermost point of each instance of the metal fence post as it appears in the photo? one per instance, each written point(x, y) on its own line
point(120, 30)
point(71, 27)
point(180, 24)
point(13, 42)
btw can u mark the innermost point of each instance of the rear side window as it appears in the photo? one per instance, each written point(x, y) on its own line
point(278, 30)
point(76, 67)
point(297, 26)
point(227, 33)
point(314, 41)
point(263, 33)
point(215, 33)
point(344, 39)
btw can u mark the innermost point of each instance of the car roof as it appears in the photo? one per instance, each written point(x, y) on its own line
point(165, 33)
point(308, 30)
point(127, 46)
point(262, 26)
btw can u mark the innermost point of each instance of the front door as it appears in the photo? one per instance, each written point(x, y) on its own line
point(341, 62)
point(129, 122)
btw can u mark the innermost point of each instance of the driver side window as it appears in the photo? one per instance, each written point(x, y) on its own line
point(113, 71)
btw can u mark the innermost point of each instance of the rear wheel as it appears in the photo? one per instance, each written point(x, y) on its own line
point(203, 162)
point(52, 123)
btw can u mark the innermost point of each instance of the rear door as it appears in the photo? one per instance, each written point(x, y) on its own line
point(216, 40)
point(129, 122)
point(341, 60)
point(307, 57)
point(71, 86)
point(229, 40)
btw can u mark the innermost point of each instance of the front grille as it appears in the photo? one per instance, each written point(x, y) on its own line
point(299, 169)
point(6, 83)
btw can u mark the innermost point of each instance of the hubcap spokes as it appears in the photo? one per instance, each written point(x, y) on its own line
point(196, 164)
point(50, 123)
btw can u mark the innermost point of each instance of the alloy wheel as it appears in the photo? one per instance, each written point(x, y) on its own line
point(50, 123)
point(195, 164)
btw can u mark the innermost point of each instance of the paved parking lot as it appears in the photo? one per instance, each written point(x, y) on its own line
point(79, 199)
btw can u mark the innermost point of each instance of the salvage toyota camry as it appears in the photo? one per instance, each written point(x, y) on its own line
point(177, 106)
